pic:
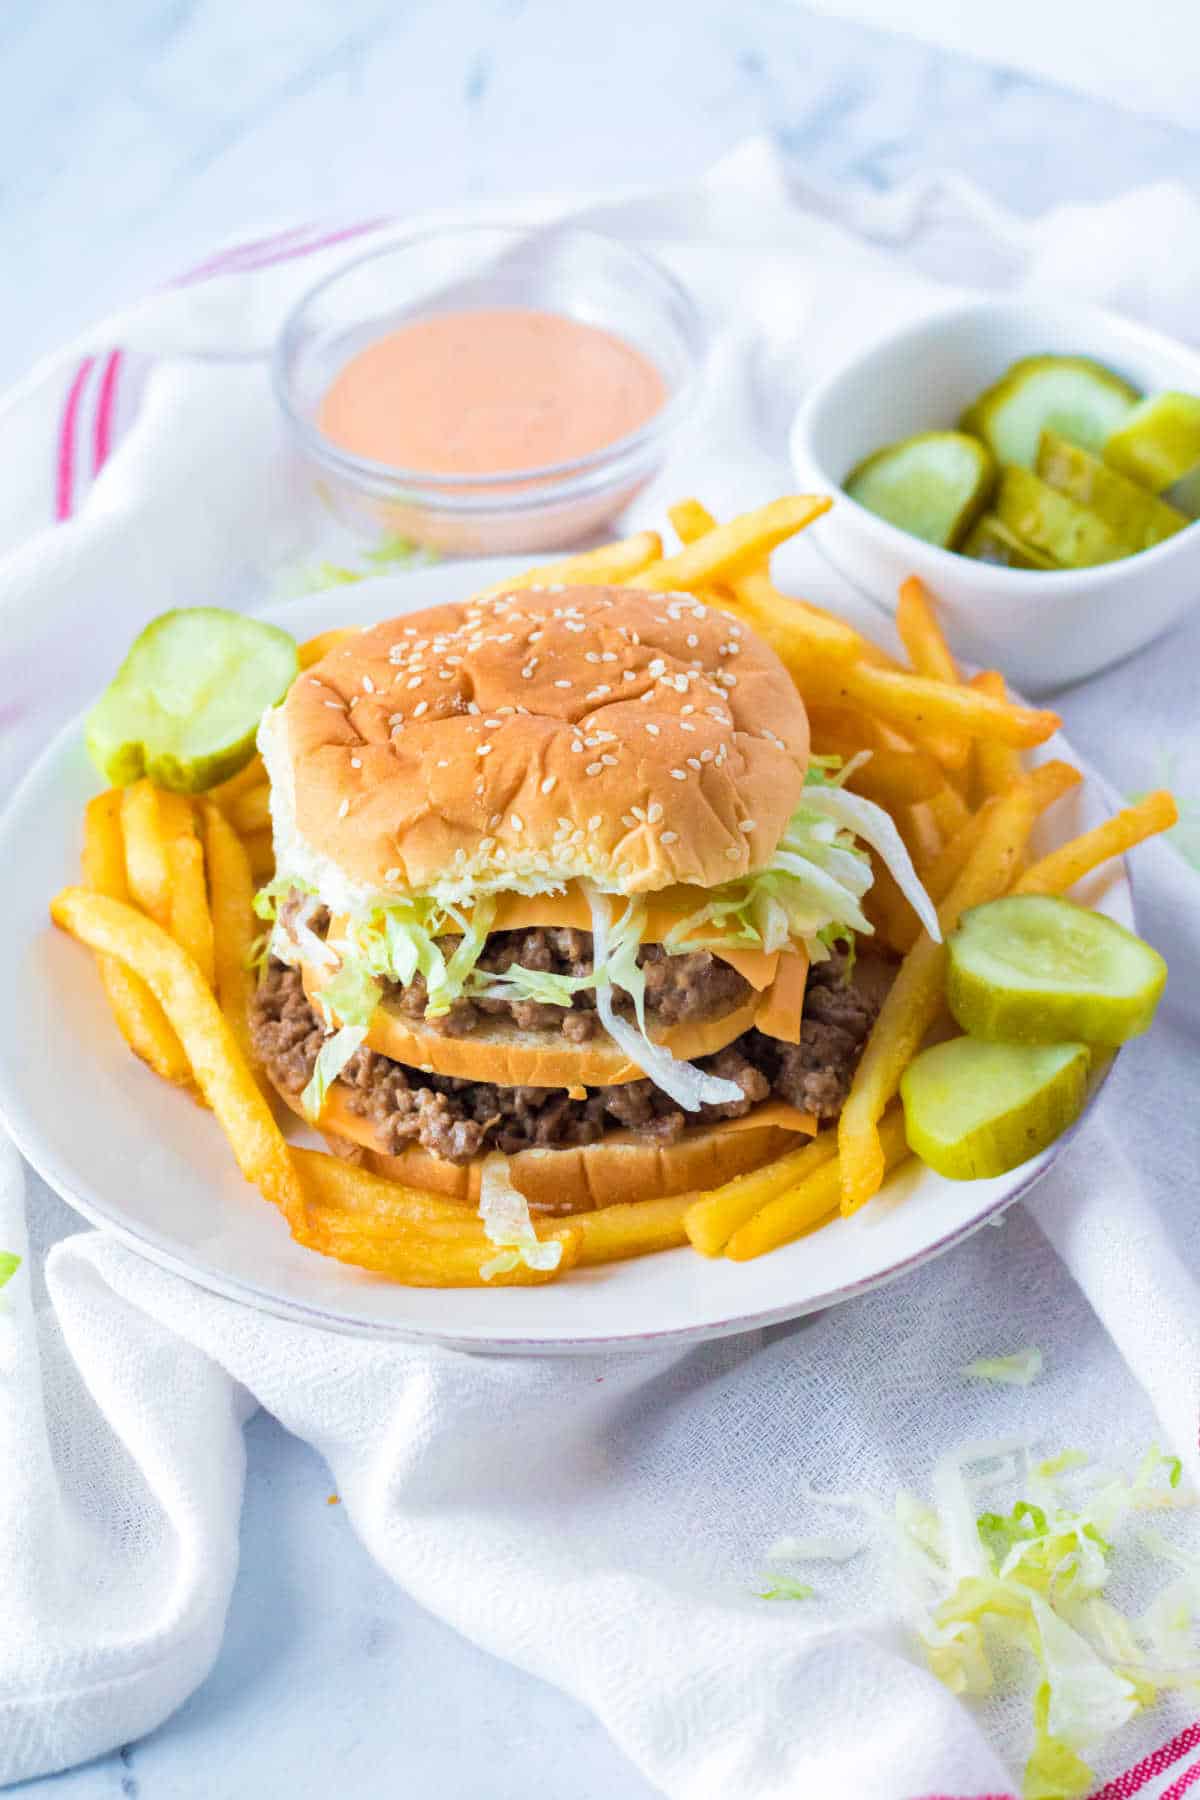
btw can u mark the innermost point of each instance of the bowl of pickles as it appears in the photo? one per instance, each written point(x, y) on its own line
point(1037, 464)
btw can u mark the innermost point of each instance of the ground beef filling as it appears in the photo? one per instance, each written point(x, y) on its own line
point(459, 1120)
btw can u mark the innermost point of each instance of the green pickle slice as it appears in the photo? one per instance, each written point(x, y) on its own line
point(1158, 443)
point(989, 540)
point(1136, 516)
point(185, 704)
point(1053, 523)
point(974, 1109)
point(1080, 399)
point(933, 485)
point(1036, 969)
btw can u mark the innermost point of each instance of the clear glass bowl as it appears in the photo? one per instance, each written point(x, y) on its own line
point(560, 269)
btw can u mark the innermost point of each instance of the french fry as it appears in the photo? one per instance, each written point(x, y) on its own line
point(924, 708)
point(260, 848)
point(251, 811)
point(252, 776)
point(711, 1219)
point(795, 629)
point(1049, 782)
point(994, 766)
point(615, 563)
point(231, 897)
point(812, 1201)
point(315, 648)
point(918, 828)
point(375, 1201)
point(896, 778)
point(915, 996)
point(896, 924)
point(191, 922)
point(921, 635)
point(1059, 871)
point(636, 1228)
point(948, 810)
point(729, 550)
point(419, 1260)
point(147, 867)
point(140, 1019)
point(116, 929)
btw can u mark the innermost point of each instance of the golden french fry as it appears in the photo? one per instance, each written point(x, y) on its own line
point(948, 810)
point(116, 929)
point(611, 563)
point(896, 778)
point(1055, 873)
point(251, 811)
point(711, 1219)
point(918, 828)
point(147, 868)
point(140, 1019)
point(317, 647)
point(231, 897)
point(260, 848)
point(636, 1228)
point(921, 635)
point(896, 924)
point(191, 921)
point(923, 707)
point(252, 776)
point(813, 1201)
point(729, 550)
point(376, 1202)
point(995, 766)
point(915, 996)
point(417, 1260)
point(1049, 782)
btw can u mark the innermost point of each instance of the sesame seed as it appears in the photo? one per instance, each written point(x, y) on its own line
point(599, 693)
point(610, 762)
point(609, 656)
point(420, 709)
point(368, 685)
point(733, 854)
point(668, 837)
point(593, 768)
point(356, 762)
point(685, 726)
point(657, 667)
point(654, 730)
point(595, 822)
point(678, 774)
point(748, 825)
point(685, 710)
point(576, 746)
point(628, 821)
point(391, 874)
point(337, 705)
point(550, 783)
point(444, 763)
point(681, 684)
point(343, 809)
point(629, 675)
point(562, 682)
point(706, 756)
point(654, 813)
point(483, 749)
point(692, 640)
point(570, 625)
point(693, 762)
point(490, 724)
point(527, 672)
point(517, 822)
point(592, 656)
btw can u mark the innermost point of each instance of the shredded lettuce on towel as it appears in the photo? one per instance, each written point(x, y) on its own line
point(810, 893)
point(9, 1264)
point(1029, 1573)
point(1021, 1369)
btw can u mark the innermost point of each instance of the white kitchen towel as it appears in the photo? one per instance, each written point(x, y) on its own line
point(599, 1521)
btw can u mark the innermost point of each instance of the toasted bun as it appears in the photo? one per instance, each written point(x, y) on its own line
point(558, 1182)
point(500, 1051)
point(637, 739)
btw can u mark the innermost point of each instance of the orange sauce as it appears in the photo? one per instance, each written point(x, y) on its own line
point(488, 392)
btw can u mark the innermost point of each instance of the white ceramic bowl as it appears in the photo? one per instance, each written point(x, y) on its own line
point(1043, 628)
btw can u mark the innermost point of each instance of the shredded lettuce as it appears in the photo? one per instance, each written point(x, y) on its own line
point(332, 1058)
point(785, 1587)
point(1020, 1369)
point(9, 1264)
point(506, 1223)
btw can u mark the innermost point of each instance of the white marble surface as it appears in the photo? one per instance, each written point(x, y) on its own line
point(137, 134)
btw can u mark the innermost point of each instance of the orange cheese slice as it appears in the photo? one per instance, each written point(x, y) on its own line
point(780, 1008)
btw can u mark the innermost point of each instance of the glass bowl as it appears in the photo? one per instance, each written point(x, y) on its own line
point(561, 269)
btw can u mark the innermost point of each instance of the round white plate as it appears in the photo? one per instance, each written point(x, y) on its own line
point(148, 1164)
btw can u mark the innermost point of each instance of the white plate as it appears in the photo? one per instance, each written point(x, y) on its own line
point(145, 1162)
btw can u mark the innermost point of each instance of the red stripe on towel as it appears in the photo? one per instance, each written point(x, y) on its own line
point(64, 485)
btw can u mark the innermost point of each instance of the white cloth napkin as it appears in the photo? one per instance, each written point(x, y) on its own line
point(599, 1521)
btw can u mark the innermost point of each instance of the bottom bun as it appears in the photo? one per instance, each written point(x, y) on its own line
point(621, 1167)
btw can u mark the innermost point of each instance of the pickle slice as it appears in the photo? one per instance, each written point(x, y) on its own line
point(1053, 523)
point(973, 1109)
point(1158, 443)
point(989, 540)
point(185, 704)
point(1136, 516)
point(933, 485)
point(1080, 399)
point(1184, 495)
point(1036, 969)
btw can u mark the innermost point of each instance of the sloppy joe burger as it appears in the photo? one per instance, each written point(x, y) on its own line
point(556, 878)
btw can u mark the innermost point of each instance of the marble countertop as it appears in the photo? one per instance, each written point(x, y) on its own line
point(136, 136)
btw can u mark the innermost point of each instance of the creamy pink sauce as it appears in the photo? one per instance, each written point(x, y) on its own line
point(483, 393)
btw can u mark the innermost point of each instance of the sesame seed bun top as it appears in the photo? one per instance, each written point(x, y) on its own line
point(633, 738)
